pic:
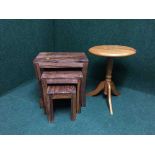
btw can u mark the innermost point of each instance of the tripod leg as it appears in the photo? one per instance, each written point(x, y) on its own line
point(114, 90)
point(109, 98)
point(97, 90)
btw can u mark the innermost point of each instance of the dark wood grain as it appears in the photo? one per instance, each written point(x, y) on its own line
point(65, 77)
point(83, 88)
point(61, 92)
point(63, 60)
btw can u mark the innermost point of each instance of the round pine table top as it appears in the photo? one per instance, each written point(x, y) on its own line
point(112, 50)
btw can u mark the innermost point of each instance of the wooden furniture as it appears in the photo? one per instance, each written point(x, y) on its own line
point(109, 51)
point(61, 92)
point(62, 77)
point(51, 61)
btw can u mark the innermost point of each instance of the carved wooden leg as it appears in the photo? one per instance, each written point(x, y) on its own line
point(105, 91)
point(113, 89)
point(97, 90)
point(104, 86)
point(109, 98)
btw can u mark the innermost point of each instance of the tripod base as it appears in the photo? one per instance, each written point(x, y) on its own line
point(108, 88)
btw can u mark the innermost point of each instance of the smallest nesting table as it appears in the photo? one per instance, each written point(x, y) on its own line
point(61, 92)
point(109, 51)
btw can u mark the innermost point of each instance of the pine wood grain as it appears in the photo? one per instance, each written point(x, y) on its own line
point(112, 50)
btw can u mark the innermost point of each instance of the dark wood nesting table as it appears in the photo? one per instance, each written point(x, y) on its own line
point(51, 61)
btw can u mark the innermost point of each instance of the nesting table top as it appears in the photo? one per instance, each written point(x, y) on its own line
point(64, 89)
point(112, 50)
point(55, 57)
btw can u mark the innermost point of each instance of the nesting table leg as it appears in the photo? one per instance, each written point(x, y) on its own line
point(83, 85)
point(44, 95)
point(52, 109)
point(73, 107)
point(49, 109)
point(78, 97)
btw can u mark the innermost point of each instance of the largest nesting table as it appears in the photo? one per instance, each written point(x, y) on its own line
point(47, 61)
